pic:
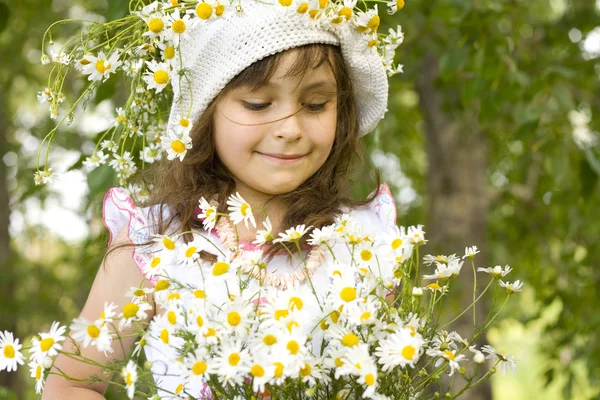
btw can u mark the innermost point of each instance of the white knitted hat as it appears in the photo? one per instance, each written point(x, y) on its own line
point(215, 52)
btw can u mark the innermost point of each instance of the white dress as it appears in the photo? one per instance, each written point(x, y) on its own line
point(119, 210)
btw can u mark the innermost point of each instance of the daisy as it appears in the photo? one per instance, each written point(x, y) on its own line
point(293, 234)
point(507, 361)
point(232, 363)
point(261, 370)
point(132, 312)
point(312, 371)
point(166, 242)
point(138, 294)
point(470, 252)
point(10, 354)
point(511, 288)
point(95, 160)
point(122, 162)
point(236, 316)
point(417, 292)
point(38, 372)
point(322, 236)
point(107, 314)
point(85, 331)
point(108, 145)
point(445, 271)
point(362, 312)
point(177, 26)
point(129, 374)
point(190, 252)
point(344, 290)
point(416, 235)
point(48, 344)
point(100, 67)
point(208, 214)
point(343, 12)
point(394, 5)
point(367, 22)
point(401, 348)
point(496, 272)
point(44, 177)
point(197, 365)
point(176, 146)
point(158, 75)
point(121, 118)
point(430, 259)
point(448, 355)
point(240, 210)
point(154, 267)
point(155, 23)
point(478, 357)
point(264, 235)
point(168, 53)
point(342, 336)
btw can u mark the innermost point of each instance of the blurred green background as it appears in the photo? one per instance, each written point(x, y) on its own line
point(491, 139)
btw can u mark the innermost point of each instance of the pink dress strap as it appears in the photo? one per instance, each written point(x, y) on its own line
point(119, 211)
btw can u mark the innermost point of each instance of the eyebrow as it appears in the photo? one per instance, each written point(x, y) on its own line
point(314, 85)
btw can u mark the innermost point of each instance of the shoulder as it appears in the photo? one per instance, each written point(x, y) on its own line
point(380, 213)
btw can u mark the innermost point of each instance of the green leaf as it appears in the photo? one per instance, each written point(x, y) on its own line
point(100, 178)
point(116, 9)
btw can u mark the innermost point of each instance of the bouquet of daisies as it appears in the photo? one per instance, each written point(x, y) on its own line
point(356, 323)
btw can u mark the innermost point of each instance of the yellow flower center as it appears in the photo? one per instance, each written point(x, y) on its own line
point(306, 370)
point(257, 370)
point(335, 316)
point(365, 316)
point(130, 310)
point(179, 26)
point(200, 294)
point(191, 251)
point(293, 347)
point(139, 292)
point(244, 209)
point(285, 3)
point(396, 243)
point(219, 10)
point(295, 302)
point(199, 368)
point(313, 13)
point(155, 262)
point(324, 325)
point(161, 77)
point(169, 52)
point(281, 314)
point(269, 340)
point(9, 351)
point(323, 3)
point(101, 66)
point(400, 4)
point(164, 336)
point(373, 23)
point(161, 285)
point(350, 340)
point(449, 355)
point(210, 332)
point(408, 352)
point(369, 379)
point(83, 61)
point(204, 11)
point(372, 43)
point(174, 296)
point(220, 268)
point(184, 122)
point(46, 344)
point(93, 331)
point(234, 318)
point(199, 321)
point(156, 25)
point(177, 146)
point(366, 255)
point(38, 372)
point(345, 12)
point(278, 369)
point(234, 359)
point(339, 362)
point(179, 388)
point(302, 8)
point(172, 317)
point(348, 294)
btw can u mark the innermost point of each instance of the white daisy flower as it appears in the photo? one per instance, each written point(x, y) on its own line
point(95, 160)
point(108, 314)
point(417, 292)
point(444, 271)
point(447, 355)
point(343, 12)
point(37, 371)
point(236, 316)
point(129, 374)
point(168, 53)
point(416, 235)
point(176, 146)
point(10, 354)
point(507, 361)
point(264, 235)
point(394, 5)
point(138, 294)
point(44, 177)
point(293, 234)
point(232, 363)
point(151, 153)
point(323, 236)
point(86, 332)
point(121, 118)
point(190, 252)
point(470, 252)
point(430, 259)
point(158, 76)
point(208, 214)
point(198, 365)
point(100, 67)
point(48, 344)
point(122, 162)
point(367, 22)
point(133, 312)
point(178, 25)
point(312, 371)
point(156, 24)
point(166, 242)
point(108, 145)
point(132, 67)
point(497, 271)
point(511, 288)
point(261, 370)
point(240, 210)
point(401, 348)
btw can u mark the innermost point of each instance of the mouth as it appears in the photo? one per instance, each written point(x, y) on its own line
point(282, 158)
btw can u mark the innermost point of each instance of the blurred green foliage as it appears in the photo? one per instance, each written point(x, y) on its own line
point(508, 68)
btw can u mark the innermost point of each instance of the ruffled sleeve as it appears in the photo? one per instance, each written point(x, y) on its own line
point(119, 211)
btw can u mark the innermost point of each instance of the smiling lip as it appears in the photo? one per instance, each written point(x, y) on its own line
point(283, 158)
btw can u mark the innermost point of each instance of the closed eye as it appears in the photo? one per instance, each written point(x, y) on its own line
point(262, 106)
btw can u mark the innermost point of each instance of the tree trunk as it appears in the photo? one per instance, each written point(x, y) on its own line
point(458, 202)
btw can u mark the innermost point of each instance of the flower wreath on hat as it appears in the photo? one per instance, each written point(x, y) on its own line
point(178, 55)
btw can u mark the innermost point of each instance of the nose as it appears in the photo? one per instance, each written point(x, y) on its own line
point(289, 128)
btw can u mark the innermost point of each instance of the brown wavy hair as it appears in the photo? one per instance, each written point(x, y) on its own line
point(179, 185)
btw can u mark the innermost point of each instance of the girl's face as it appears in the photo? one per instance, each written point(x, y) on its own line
point(276, 137)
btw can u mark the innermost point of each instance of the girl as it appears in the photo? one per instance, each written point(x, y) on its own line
point(278, 124)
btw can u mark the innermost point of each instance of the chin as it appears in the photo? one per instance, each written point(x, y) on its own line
point(281, 187)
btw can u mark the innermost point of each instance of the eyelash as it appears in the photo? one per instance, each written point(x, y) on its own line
point(262, 106)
